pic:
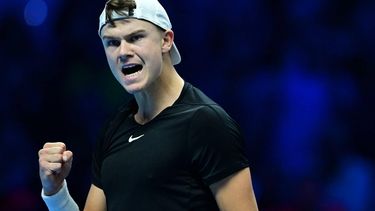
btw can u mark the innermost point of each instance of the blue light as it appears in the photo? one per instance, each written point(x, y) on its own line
point(35, 12)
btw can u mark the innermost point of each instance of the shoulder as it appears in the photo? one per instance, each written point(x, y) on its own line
point(205, 110)
point(212, 114)
point(212, 123)
point(191, 95)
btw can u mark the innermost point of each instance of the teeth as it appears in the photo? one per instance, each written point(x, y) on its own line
point(129, 66)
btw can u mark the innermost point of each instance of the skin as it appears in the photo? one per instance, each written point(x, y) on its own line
point(54, 166)
point(156, 87)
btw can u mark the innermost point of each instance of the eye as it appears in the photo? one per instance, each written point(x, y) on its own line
point(135, 38)
point(113, 43)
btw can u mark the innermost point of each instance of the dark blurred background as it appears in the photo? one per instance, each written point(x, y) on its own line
point(298, 76)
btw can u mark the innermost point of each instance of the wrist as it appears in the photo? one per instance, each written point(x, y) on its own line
point(61, 200)
point(53, 190)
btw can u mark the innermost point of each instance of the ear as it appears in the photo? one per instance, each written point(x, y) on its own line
point(167, 41)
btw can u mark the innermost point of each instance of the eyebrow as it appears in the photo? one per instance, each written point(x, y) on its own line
point(128, 35)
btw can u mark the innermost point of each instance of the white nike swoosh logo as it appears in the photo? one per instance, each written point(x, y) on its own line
point(131, 139)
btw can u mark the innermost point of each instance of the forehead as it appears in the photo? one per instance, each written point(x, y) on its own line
point(127, 26)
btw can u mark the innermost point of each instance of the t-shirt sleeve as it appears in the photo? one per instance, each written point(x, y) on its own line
point(216, 145)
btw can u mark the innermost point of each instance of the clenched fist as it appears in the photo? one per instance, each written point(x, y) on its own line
point(55, 163)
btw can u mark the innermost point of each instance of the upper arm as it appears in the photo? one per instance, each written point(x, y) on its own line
point(95, 200)
point(235, 192)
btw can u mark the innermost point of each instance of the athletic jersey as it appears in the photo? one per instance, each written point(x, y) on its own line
point(169, 162)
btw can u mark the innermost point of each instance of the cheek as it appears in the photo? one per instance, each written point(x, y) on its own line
point(112, 65)
point(116, 74)
point(109, 55)
point(111, 60)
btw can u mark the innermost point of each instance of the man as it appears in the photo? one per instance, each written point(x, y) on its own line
point(171, 147)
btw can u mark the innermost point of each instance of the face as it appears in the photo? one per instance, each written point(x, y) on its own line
point(134, 50)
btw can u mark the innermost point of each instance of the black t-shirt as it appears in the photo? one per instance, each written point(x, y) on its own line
point(168, 163)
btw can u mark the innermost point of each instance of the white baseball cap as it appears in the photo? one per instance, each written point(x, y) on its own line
point(149, 10)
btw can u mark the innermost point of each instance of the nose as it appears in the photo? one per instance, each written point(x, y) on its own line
point(122, 58)
point(125, 51)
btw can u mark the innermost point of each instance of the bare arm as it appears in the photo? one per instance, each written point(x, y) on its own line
point(95, 200)
point(235, 193)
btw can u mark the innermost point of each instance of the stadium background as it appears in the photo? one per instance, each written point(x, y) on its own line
point(298, 76)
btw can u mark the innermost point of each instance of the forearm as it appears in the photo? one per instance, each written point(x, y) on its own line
point(61, 201)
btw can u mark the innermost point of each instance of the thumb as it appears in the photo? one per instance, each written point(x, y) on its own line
point(67, 156)
point(67, 161)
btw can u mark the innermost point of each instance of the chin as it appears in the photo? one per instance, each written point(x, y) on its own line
point(133, 89)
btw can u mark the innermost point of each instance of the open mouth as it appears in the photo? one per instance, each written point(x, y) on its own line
point(131, 68)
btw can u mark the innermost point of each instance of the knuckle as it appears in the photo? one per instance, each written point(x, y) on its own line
point(40, 152)
point(54, 144)
point(47, 144)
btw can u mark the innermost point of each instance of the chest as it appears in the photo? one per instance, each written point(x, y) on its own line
point(147, 157)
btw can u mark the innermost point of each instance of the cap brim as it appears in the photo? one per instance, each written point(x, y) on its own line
point(175, 55)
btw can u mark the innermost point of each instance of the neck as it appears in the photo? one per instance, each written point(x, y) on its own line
point(159, 95)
